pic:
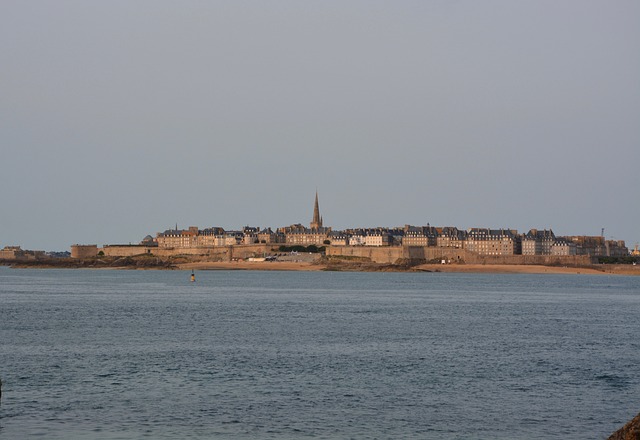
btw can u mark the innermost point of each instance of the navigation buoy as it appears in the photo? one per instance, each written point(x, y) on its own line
point(193, 277)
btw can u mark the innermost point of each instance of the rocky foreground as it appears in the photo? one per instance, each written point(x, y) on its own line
point(144, 262)
point(630, 431)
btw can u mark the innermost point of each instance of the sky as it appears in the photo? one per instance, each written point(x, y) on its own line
point(120, 118)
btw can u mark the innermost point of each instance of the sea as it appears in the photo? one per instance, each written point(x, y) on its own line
point(116, 354)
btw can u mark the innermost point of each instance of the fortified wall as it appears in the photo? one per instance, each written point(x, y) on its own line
point(391, 255)
point(84, 250)
point(376, 254)
point(217, 253)
point(543, 260)
point(16, 253)
point(382, 254)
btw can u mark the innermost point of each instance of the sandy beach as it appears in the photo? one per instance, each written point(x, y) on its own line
point(317, 263)
point(252, 265)
point(459, 268)
point(507, 268)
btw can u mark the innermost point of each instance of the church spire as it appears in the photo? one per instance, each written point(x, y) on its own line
point(316, 223)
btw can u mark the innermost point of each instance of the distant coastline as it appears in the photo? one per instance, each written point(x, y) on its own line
point(316, 263)
point(445, 268)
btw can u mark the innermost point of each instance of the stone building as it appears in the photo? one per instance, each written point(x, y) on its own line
point(338, 239)
point(373, 236)
point(450, 237)
point(178, 238)
point(298, 235)
point(356, 236)
point(419, 236)
point(267, 236)
point(316, 221)
point(616, 248)
point(378, 238)
point(191, 238)
point(210, 237)
point(589, 245)
point(536, 242)
point(317, 234)
point(493, 241)
point(562, 247)
point(250, 235)
point(233, 238)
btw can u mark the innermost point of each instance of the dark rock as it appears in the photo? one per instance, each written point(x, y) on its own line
point(630, 431)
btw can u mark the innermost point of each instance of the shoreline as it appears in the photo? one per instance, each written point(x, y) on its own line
point(341, 266)
point(628, 270)
point(252, 265)
point(535, 269)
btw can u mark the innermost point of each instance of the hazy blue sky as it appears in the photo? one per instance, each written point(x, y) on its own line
point(120, 118)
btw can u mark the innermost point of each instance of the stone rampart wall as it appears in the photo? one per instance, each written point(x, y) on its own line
point(11, 254)
point(392, 254)
point(423, 253)
point(382, 254)
point(116, 250)
point(216, 253)
point(84, 250)
point(545, 260)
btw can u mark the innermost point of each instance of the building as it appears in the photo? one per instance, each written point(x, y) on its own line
point(298, 235)
point(563, 247)
point(191, 238)
point(536, 242)
point(373, 236)
point(616, 248)
point(493, 241)
point(450, 237)
point(589, 245)
point(233, 238)
point(595, 246)
point(210, 237)
point(420, 236)
point(316, 221)
point(338, 239)
point(178, 238)
point(267, 236)
point(378, 238)
point(316, 234)
point(355, 237)
point(250, 235)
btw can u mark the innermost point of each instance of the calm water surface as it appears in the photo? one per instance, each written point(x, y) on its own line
point(147, 354)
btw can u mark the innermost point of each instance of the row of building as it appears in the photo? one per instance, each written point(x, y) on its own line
point(482, 241)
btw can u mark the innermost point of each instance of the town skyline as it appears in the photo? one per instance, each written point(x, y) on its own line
point(122, 118)
point(481, 241)
point(408, 243)
point(316, 222)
